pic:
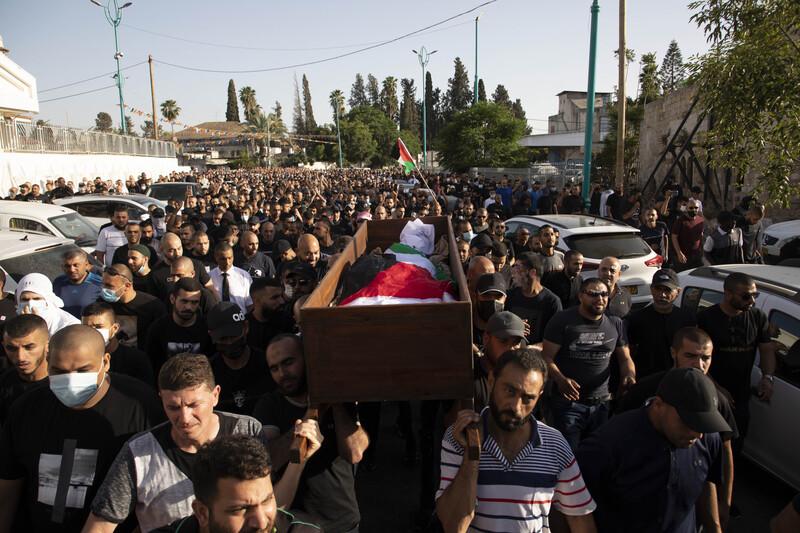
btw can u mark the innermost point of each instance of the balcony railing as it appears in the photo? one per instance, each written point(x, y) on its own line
point(29, 138)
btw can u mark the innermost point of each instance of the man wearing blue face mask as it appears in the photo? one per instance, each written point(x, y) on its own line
point(59, 441)
point(135, 311)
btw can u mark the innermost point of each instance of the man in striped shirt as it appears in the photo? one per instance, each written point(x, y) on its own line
point(525, 467)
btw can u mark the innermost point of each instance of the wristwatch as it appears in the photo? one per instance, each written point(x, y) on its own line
point(768, 376)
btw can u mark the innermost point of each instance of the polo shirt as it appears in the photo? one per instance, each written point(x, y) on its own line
point(518, 496)
point(239, 283)
point(76, 296)
point(640, 481)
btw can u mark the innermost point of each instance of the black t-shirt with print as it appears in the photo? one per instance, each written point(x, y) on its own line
point(241, 389)
point(166, 339)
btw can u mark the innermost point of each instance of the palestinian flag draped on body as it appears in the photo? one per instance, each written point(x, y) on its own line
point(405, 157)
point(402, 283)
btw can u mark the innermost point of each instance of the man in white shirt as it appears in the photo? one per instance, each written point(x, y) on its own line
point(232, 283)
point(608, 191)
point(112, 236)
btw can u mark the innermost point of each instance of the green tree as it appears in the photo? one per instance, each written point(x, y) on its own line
point(459, 95)
point(232, 112)
point(518, 112)
point(147, 130)
point(103, 122)
point(271, 128)
point(409, 111)
point(358, 146)
point(373, 91)
point(298, 120)
point(500, 96)
point(748, 81)
point(358, 93)
point(247, 95)
point(649, 84)
point(481, 91)
point(383, 130)
point(485, 135)
point(673, 71)
point(170, 111)
point(389, 103)
point(433, 104)
point(278, 110)
point(129, 127)
point(604, 164)
point(308, 111)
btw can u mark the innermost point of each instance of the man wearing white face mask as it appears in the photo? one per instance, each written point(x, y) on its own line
point(35, 296)
point(59, 441)
point(124, 359)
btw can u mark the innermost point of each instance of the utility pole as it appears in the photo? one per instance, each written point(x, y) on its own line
point(153, 96)
point(587, 147)
point(424, 57)
point(621, 100)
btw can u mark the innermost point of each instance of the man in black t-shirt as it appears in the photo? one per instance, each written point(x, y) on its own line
point(160, 276)
point(239, 369)
point(737, 329)
point(124, 359)
point(655, 233)
point(251, 260)
point(529, 300)
point(25, 340)
point(135, 311)
point(266, 320)
point(74, 427)
point(181, 268)
point(578, 345)
point(566, 283)
point(184, 330)
point(327, 486)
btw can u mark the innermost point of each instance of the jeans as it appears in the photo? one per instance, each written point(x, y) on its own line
point(576, 421)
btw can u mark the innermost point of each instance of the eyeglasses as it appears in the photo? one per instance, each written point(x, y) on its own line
point(112, 272)
point(595, 294)
point(296, 282)
point(499, 226)
point(749, 295)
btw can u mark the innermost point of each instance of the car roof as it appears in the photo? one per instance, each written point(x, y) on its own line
point(578, 223)
point(781, 280)
point(140, 199)
point(167, 183)
point(12, 207)
point(17, 242)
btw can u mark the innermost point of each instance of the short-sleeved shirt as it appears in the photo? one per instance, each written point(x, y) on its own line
point(12, 387)
point(166, 339)
point(619, 302)
point(43, 439)
point(656, 236)
point(242, 388)
point(76, 296)
point(689, 232)
point(553, 262)
point(519, 496)
point(258, 266)
point(537, 310)
point(652, 334)
point(735, 339)
point(586, 348)
point(640, 481)
point(565, 288)
point(108, 240)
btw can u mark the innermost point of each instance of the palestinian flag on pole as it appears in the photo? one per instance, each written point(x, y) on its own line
point(405, 158)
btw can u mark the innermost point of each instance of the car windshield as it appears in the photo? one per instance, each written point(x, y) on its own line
point(47, 262)
point(166, 191)
point(75, 226)
point(621, 245)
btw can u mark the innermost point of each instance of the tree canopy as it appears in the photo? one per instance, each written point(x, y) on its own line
point(103, 122)
point(232, 111)
point(673, 71)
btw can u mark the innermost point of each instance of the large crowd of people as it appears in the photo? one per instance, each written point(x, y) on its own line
point(160, 382)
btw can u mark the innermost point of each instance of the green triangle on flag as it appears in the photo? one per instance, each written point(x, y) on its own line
point(405, 157)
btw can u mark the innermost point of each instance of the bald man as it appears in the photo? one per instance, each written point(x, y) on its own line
point(160, 277)
point(308, 251)
point(251, 260)
point(619, 299)
point(75, 427)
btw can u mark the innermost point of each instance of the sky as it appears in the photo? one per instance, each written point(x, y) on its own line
point(535, 48)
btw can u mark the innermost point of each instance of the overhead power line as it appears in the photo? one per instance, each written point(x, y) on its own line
point(89, 79)
point(77, 94)
point(371, 47)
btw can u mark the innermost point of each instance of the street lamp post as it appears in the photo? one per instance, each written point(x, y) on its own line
point(424, 56)
point(475, 100)
point(338, 132)
point(114, 17)
point(587, 147)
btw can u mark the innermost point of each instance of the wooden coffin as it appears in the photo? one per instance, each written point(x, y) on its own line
point(389, 352)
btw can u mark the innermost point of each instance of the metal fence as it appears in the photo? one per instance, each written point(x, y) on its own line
point(27, 137)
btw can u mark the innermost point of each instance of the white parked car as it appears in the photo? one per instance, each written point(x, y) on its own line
point(95, 206)
point(596, 238)
point(47, 219)
point(773, 439)
point(776, 236)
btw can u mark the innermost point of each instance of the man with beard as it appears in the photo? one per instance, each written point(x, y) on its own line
point(687, 238)
point(566, 283)
point(133, 233)
point(552, 259)
point(655, 233)
point(112, 236)
point(231, 470)
point(327, 486)
point(78, 286)
point(529, 300)
point(266, 237)
point(578, 345)
point(651, 329)
point(266, 319)
point(137, 260)
point(619, 299)
point(25, 340)
point(322, 231)
point(521, 241)
point(181, 268)
point(525, 469)
point(148, 237)
point(201, 250)
point(160, 277)
point(240, 369)
point(251, 260)
point(184, 330)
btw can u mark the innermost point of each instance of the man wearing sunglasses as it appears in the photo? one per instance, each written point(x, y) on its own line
point(687, 238)
point(578, 345)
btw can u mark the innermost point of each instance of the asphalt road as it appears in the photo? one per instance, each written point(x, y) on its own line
point(388, 496)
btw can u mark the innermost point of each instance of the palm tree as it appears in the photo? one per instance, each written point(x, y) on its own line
point(389, 102)
point(269, 124)
point(170, 111)
point(337, 96)
point(247, 95)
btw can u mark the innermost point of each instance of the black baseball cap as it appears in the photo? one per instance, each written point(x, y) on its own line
point(481, 240)
point(226, 319)
point(157, 213)
point(283, 246)
point(492, 282)
point(666, 277)
point(304, 270)
point(694, 397)
point(505, 324)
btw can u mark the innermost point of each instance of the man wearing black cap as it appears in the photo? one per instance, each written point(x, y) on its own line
point(504, 331)
point(651, 329)
point(480, 245)
point(491, 298)
point(240, 369)
point(647, 469)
